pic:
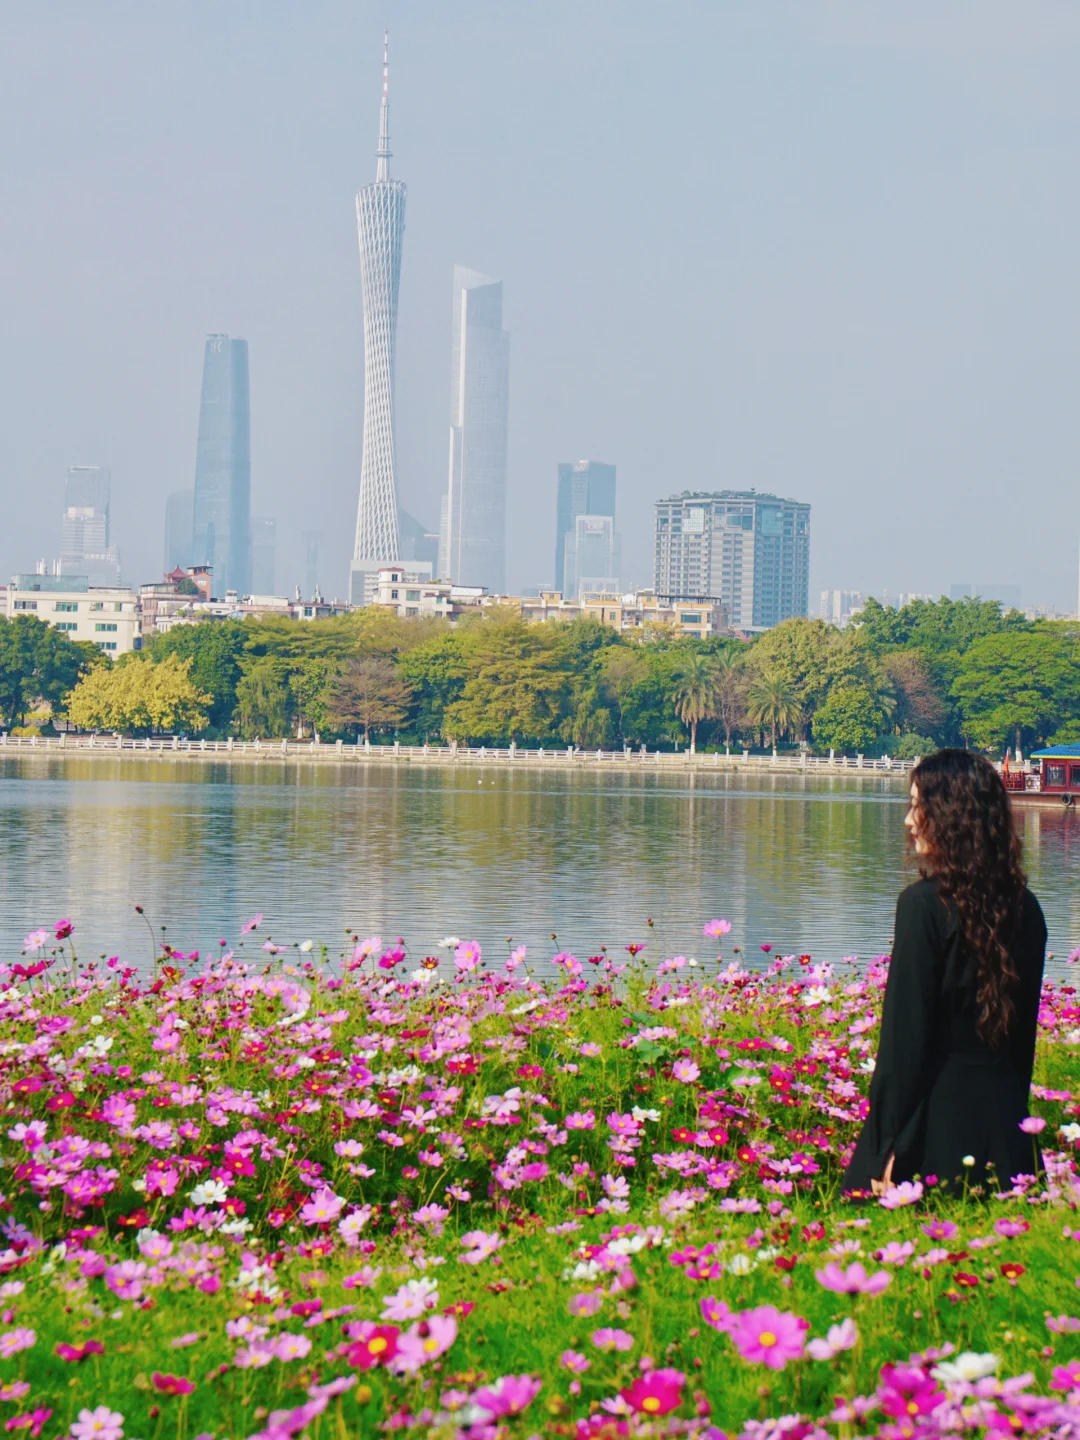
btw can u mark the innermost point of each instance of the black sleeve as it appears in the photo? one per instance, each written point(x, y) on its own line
point(1032, 957)
point(901, 1075)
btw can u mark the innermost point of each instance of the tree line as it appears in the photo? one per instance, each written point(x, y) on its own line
point(898, 681)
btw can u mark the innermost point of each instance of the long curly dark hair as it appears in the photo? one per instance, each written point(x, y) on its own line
point(972, 849)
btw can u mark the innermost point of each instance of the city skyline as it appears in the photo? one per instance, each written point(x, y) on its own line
point(583, 487)
point(380, 220)
point(857, 361)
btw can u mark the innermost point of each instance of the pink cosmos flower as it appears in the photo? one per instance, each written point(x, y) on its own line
point(686, 1070)
point(840, 1337)
point(608, 1339)
point(715, 928)
point(125, 1280)
point(250, 925)
point(588, 1302)
point(718, 1314)
point(411, 1300)
point(939, 1229)
point(656, 1392)
point(908, 1192)
point(101, 1423)
point(323, 1208)
point(580, 1120)
point(574, 1361)
point(854, 1280)
point(467, 956)
point(1058, 1324)
point(171, 1384)
point(1033, 1125)
point(906, 1392)
point(479, 1246)
point(35, 1421)
point(1011, 1228)
point(74, 1354)
point(15, 1340)
point(423, 1342)
point(288, 1346)
point(36, 939)
point(767, 1336)
point(510, 1395)
point(1066, 1377)
point(63, 929)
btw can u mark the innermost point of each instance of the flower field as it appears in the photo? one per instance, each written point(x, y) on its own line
point(279, 1193)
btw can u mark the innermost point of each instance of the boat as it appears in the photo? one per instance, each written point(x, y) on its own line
point(1049, 777)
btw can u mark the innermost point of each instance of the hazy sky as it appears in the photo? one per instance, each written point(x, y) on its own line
point(828, 248)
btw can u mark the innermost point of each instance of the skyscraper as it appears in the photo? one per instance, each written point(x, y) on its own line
point(475, 530)
point(751, 551)
point(590, 555)
point(380, 218)
point(263, 554)
point(585, 487)
point(85, 542)
point(179, 529)
point(222, 506)
point(311, 544)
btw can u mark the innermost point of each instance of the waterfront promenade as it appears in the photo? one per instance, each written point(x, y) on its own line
point(305, 751)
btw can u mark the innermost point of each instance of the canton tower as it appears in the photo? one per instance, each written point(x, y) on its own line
point(380, 218)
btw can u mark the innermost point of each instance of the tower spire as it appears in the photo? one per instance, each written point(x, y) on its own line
point(383, 170)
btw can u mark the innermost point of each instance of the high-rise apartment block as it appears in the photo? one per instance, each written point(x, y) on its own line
point(750, 551)
point(585, 487)
point(221, 521)
point(380, 218)
point(473, 535)
point(838, 606)
point(86, 546)
point(263, 555)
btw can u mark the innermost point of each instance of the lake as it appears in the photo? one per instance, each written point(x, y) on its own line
point(803, 864)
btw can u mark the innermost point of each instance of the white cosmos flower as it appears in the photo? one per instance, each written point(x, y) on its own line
point(968, 1365)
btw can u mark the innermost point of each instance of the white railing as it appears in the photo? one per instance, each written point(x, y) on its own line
point(443, 754)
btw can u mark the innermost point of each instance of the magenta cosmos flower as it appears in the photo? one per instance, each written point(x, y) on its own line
point(767, 1336)
point(656, 1392)
point(852, 1281)
point(510, 1395)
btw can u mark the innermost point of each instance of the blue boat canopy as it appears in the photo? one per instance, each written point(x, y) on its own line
point(1057, 752)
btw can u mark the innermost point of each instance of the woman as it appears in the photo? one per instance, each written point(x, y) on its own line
point(958, 1024)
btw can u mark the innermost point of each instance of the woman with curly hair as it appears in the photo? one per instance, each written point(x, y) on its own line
point(957, 1043)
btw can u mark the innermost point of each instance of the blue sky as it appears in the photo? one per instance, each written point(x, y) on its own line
point(825, 248)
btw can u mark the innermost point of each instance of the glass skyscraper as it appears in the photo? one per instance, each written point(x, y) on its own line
point(263, 555)
point(473, 539)
point(86, 546)
point(585, 487)
point(221, 523)
point(380, 218)
point(179, 530)
point(748, 550)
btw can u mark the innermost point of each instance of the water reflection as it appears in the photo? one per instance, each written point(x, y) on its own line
point(803, 864)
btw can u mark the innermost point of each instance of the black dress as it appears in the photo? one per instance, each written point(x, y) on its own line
point(939, 1093)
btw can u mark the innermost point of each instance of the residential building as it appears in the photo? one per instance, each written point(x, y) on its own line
point(106, 616)
point(590, 555)
point(263, 555)
point(221, 520)
point(475, 528)
point(838, 606)
point(380, 218)
point(179, 529)
point(86, 546)
point(749, 550)
point(585, 487)
point(631, 613)
point(411, 594)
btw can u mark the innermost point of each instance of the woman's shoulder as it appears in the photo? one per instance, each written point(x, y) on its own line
point(922, 894)
point(1031, 917)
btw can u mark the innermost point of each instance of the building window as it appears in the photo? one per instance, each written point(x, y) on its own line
point(412, 594)
point(393, 594)
point(107, 625)
point(97, 605)
point(67, 607)
point(106, 644)
point(690, 619)
point(1055, 777)
point(25, 604)
point(66, 625)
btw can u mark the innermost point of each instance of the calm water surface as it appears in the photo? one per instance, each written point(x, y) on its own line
point(806, 865)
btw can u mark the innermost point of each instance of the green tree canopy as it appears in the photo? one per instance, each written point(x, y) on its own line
point(1022, 685)
point(39, 664)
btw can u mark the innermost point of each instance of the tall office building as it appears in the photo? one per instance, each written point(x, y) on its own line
point(590, 556)
point(263, 555)
point(380, 218)
point(311, 544)
point(416, 541)
point(86, 546)
point(585, 487)
point(179, 530)
point(748, 550)
point(221, 522)
point(474, 535)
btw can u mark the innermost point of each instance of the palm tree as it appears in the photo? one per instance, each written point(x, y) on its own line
point(694, 693)
point(772, 702)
